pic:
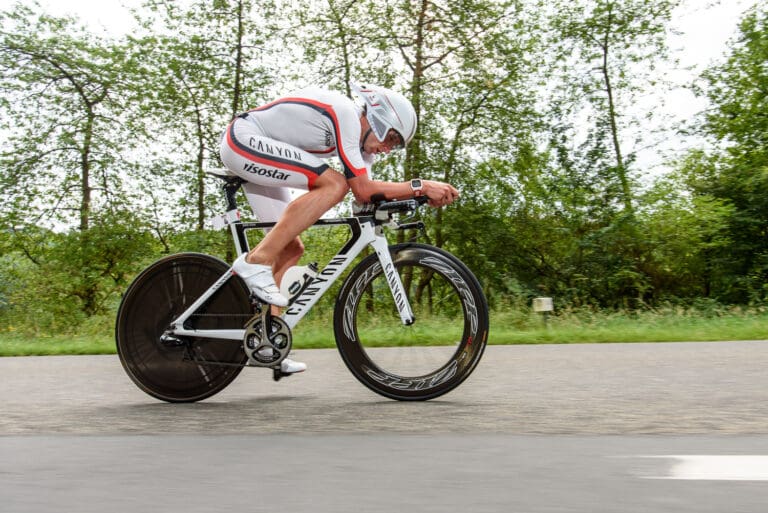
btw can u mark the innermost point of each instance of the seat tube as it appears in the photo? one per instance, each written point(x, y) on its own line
point(238, 235)
point(399, 295)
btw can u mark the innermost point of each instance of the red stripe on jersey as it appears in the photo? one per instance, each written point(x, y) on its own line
point(328, 111)
point(321, 152)
point(255, 157)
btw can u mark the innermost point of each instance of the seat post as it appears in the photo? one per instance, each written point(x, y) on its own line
point(230, 192)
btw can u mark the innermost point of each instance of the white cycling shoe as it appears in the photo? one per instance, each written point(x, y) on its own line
point(288, 366)
point(259, 279)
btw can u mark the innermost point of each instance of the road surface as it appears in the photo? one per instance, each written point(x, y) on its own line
point(535, 428)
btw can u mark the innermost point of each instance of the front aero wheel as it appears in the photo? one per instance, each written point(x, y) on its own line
point(171, 370)
point(433, 355)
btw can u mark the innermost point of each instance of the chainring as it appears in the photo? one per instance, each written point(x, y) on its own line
point(267, 351)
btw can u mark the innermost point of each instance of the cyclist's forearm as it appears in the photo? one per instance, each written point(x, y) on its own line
point(364, 188)
point(439, 193)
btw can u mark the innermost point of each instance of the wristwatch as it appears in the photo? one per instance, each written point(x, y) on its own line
point(417, 186)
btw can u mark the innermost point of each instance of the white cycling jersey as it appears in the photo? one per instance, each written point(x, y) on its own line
point(284, 144)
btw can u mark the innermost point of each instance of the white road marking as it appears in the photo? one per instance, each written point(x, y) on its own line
point(716, 467)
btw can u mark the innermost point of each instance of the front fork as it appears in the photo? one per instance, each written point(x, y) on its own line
point(381, 246)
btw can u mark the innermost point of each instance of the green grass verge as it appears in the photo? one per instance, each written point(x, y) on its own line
point(29, 345)
point(636, 328)
point(506, 328)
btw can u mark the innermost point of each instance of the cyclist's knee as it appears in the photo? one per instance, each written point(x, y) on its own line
point(334, 183)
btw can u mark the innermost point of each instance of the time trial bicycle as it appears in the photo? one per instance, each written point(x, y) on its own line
point(410, 320)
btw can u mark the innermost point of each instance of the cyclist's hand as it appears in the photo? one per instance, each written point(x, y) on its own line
point(440, 194)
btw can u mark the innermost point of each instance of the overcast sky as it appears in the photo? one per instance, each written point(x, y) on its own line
point(704, 28)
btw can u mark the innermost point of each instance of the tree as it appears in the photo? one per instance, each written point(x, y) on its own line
point(461, 64)
point(605, 47)
point(51, 282)
point(73, 136)
point(208, 64)
point(337, 42)
point(737, 170)
point(684, 233)
point(588, 244)
point(64, 119)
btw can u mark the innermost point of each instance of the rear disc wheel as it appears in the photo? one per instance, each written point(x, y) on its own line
point(165, 368)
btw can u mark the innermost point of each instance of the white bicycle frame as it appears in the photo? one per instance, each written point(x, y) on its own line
point(366, 231)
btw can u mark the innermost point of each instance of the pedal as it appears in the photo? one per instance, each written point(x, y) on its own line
point(277, 374)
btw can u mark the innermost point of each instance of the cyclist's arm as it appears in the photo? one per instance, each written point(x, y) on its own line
point(364, 188)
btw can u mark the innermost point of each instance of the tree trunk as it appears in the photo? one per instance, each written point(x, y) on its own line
point(413, 151)
point(85, 172)
point(620, 168)
point(200, 174)
point(237, 89)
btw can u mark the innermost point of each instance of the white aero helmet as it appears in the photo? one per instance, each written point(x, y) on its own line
point(385, 110)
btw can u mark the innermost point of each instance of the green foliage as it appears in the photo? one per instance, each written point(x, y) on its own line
point(682, 234)
point(204, 69)
point(65, 145)
point(52, 282)
point(735, 172)
point(606, 53)
point(525, 106)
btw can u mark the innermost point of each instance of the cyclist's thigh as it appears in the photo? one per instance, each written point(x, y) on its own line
point(267, 203)
point(264, 161)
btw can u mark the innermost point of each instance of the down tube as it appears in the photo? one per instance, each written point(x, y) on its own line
point(325, 278)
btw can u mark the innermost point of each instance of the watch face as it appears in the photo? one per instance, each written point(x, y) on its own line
point(415, 183)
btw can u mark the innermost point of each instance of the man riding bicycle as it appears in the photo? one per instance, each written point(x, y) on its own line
point(283, 145)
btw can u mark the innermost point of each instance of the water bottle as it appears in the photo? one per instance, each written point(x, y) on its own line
point(296, 279)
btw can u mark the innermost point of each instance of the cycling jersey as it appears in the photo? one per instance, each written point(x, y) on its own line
point(285, 143)
point(293, 134)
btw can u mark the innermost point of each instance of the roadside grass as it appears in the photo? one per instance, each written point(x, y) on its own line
point(507, 327)
point(657, 326)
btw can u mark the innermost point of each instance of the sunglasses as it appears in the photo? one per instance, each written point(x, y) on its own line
point(394, 140)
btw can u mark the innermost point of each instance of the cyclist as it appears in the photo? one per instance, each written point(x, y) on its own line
point(283, 145)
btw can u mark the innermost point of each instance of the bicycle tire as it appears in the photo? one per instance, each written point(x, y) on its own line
point(371, 338)
point(158, 295)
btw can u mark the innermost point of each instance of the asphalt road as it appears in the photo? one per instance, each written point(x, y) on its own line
point(535, 428)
